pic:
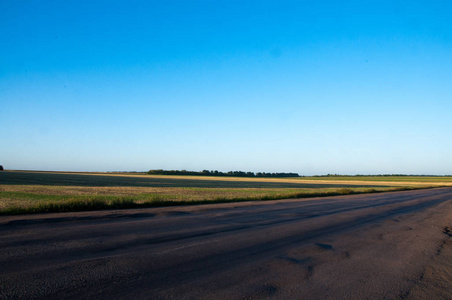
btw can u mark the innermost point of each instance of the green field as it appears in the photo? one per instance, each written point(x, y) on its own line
point(33, 192)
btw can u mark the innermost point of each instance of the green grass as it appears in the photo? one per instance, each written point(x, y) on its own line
point(26, 203)
point(41, 192)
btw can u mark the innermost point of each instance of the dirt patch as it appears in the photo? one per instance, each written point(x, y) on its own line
point(436, 281)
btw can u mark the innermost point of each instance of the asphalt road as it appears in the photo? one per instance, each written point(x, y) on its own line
point(349, 247)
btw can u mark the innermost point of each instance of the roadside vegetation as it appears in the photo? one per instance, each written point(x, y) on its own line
point(38, 192)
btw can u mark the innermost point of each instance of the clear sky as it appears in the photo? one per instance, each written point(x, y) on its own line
point(314, 87)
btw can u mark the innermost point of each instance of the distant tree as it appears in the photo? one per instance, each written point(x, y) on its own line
point(1, 168)
point(219, 173)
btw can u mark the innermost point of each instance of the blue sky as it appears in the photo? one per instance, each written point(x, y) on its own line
point(314, 87)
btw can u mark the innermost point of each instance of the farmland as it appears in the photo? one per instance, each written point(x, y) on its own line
point(34, 192)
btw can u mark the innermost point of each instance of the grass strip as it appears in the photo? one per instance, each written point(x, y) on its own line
point(42, 203)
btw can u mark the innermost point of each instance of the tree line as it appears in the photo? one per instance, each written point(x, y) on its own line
point(219, 173)
point(378, 175)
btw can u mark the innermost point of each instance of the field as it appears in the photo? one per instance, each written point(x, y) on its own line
point(416, 180)
point(32, 192)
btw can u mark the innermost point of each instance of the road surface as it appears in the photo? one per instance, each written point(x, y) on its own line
point(387, 245)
